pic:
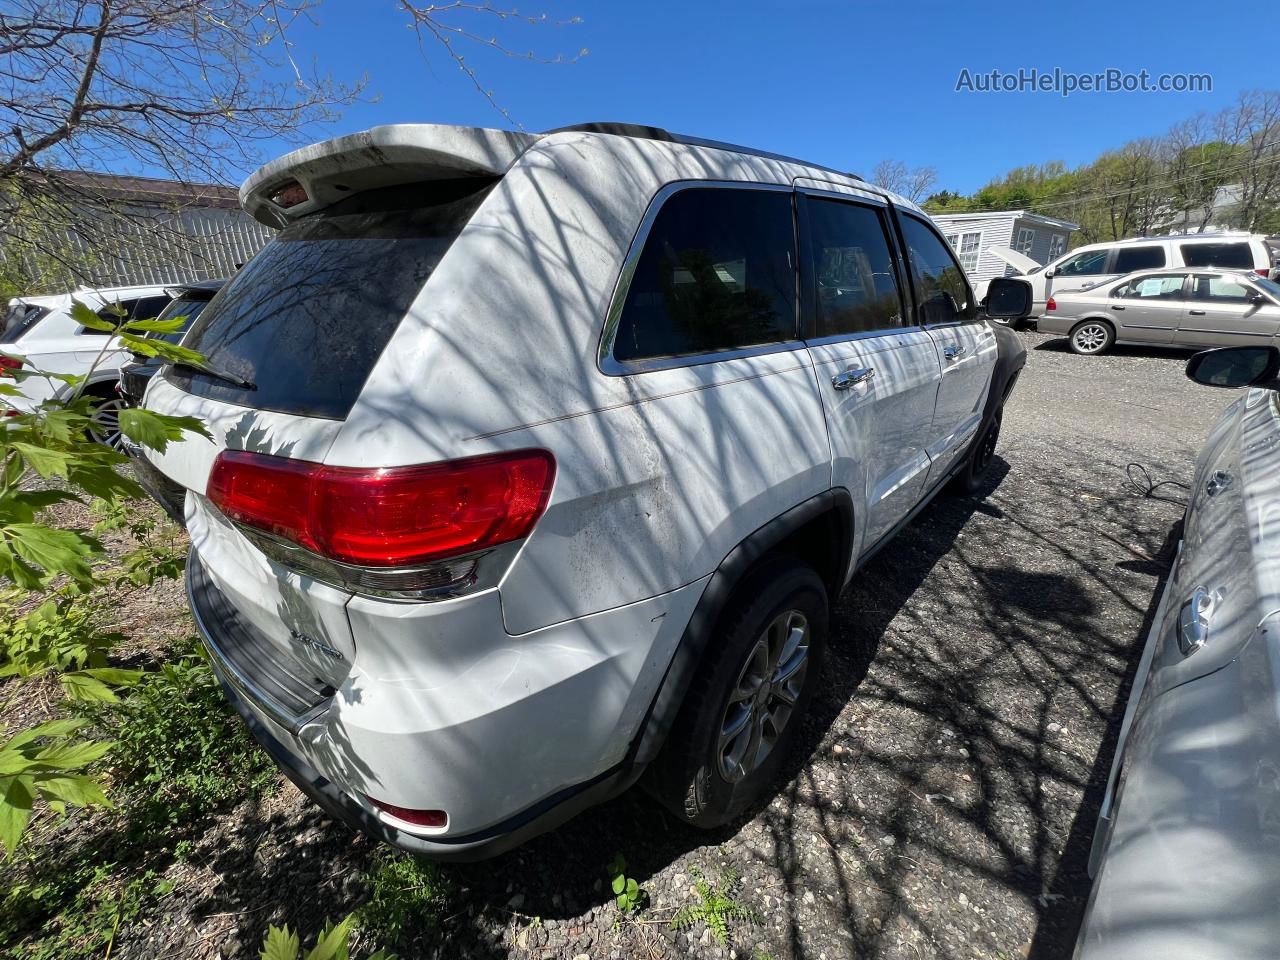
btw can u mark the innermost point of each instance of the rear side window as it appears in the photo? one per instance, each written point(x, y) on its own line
point(307, 318)
point(188, 308)
point(854, 287)
point(716, 273)
point(1129, 259)
point(944, 293)
point(1088, 263)
point(1236, 256)
point(136, 308)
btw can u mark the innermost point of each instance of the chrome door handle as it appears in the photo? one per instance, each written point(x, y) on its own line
point(1196, 313)
point(1116, 306)
point(1194, 618)
point(843, 381)
point(953, 351)
point(1217, 483)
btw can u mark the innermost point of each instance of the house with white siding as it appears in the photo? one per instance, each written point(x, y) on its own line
point(972, 235)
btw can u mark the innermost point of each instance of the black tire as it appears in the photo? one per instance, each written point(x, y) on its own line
point(1091, 337)
point(977, 462)
point(694, 776)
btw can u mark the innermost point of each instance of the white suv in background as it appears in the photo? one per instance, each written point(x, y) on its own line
point(42, 332)
point(537, 461)
point(1097, 263)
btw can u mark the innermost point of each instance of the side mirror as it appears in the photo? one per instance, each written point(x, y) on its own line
point(1257, 299)
point(1237, 367)
point(1048, 274)
point(1008, 298)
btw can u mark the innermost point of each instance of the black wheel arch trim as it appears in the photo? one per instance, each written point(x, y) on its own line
point(694, 643)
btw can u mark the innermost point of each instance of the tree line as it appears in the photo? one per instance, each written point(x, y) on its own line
point(1212, 170)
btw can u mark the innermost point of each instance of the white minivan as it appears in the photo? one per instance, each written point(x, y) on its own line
point(1099, 262)
point(536, 460)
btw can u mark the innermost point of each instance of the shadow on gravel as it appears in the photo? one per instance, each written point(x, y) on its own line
point(1059, 345)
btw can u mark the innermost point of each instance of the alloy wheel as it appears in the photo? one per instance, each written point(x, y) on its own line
point(105, 423)
point(764, 696)
point(1090, 337)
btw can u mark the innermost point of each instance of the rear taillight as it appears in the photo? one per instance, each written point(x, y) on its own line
point(386, 518)
point(7, 364)
point(1051, 305)
point(1262, 271)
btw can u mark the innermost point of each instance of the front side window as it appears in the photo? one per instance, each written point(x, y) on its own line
point(944, 293)
point(1220, 290)
point(1090, 263)
point(716, 273)
point(1129, 259)
point(1236, 256)
point(855, 288)
point(1160, 287)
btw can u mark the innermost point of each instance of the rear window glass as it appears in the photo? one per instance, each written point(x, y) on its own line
point(308, 317)
point(18, 320)
point(1235, 255)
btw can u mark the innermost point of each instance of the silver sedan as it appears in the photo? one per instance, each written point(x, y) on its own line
point(1191, 308)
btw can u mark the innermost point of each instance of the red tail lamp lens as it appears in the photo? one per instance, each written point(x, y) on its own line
point(7, 364)
point(419, 818)
point(1262, 271)
point(1051, 305)
point(392, 517)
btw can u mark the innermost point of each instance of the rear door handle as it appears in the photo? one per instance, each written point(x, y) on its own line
point(1116, 306)
point(1196, 313)
point(843, 381)
point(953, 351)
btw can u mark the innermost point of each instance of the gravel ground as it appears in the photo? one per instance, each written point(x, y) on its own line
point(943, 802)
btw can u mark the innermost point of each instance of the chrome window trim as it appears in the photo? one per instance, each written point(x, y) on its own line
point(609, 365)
point(837, 338)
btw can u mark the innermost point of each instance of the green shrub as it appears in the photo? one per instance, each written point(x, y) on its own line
point(332, 944)
point(406, 896)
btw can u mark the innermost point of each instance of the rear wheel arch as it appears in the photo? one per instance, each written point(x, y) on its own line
point(817, 532)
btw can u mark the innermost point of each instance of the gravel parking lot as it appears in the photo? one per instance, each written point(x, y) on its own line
point(945, 799)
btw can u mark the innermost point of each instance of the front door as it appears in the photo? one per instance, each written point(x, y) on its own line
point(1223, 312)
point(877, 375)
point(964, 345)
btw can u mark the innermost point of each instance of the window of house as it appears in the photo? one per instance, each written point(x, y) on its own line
point(855, 288)
point(944, 292)
point(716, 273)
point(1026, 238)
point(1236, 256)
point(1129, 259)
point(1057, 246)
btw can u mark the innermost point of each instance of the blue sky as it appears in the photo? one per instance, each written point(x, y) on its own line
point(844, 84)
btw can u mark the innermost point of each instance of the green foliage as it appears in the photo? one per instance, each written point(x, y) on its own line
point(406, 895)
point(179, 749)
point(62, 636)
point(716, 906)
point(45, 761)
point(332, 944)
point(630, 895)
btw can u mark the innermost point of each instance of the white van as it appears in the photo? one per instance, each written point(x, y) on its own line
point(1099, 262)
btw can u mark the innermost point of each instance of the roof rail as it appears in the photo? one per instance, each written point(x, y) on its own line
point(642, 131)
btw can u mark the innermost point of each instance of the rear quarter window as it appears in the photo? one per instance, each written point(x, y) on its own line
point(1236, 256)
point(307, 318)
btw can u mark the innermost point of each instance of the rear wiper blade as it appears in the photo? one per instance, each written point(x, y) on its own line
point(217, 374)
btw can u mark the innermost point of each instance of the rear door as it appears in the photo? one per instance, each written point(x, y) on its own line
point(965, 347)
point(1221, 312)
point(1149, 308)
point(877, 374)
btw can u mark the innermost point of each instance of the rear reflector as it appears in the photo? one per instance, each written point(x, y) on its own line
point(389, 517)
point(418, 818)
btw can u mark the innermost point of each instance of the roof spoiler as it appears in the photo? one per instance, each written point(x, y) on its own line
point(317, 176)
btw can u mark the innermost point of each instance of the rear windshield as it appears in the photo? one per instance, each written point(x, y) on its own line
point(307, 318)
point(18, 319)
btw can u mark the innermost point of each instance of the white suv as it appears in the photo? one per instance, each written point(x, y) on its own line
point(43, 333)
point(538, 459)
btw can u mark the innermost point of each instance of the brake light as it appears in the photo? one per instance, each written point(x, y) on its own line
point(417, 818)
point(7, 364)
point(1051, 305)
point(389, 517)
